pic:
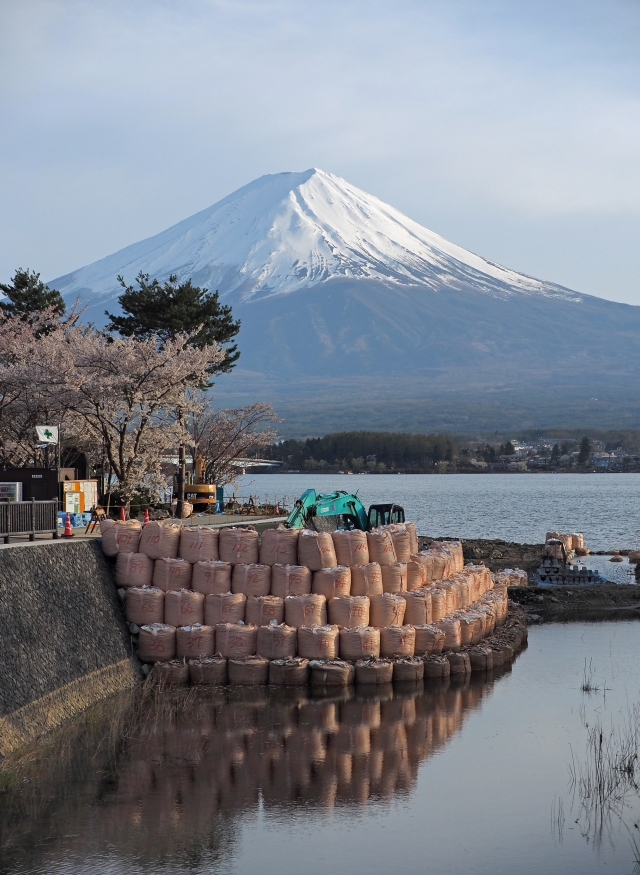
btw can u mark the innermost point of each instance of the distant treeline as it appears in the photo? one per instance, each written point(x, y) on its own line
point(367, 451)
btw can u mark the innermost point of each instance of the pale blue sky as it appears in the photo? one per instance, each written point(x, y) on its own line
point(512, 127)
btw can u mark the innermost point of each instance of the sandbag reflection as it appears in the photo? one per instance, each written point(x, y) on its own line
point(225, 752)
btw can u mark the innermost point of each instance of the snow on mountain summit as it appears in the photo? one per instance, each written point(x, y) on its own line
point(288, 231)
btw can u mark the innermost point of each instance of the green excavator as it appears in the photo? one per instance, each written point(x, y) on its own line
point(340, 510)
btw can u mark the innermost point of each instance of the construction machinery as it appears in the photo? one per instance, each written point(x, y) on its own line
point(340, 510)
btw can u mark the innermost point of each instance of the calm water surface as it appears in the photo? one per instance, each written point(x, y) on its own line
point(523, 508)
point(450, 779)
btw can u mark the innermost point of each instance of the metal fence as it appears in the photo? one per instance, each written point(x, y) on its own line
point(28, 518)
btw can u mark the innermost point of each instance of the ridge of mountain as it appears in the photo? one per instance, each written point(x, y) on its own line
point(289, 231)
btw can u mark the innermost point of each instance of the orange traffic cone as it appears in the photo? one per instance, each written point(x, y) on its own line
point(147, 518)
point(123, 515)
point(68, 531)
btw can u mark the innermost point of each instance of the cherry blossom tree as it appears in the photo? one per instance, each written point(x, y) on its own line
point(23, 403)
point(221, 437)
point(123, 396)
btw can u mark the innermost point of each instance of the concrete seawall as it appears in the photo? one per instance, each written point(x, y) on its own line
point(63, 641)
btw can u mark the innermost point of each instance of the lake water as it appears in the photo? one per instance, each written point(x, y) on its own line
point(604, 507)
point(471, 778)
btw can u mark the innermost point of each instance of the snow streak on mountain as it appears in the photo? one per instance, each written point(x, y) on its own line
point(292, 231)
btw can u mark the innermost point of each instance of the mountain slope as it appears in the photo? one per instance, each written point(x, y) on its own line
point(345, 302)
point(290, 231)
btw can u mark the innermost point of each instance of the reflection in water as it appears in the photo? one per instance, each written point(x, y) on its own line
point(169, 776)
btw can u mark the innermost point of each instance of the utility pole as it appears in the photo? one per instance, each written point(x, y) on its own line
point(181, 478)
point(59, 494)
point(181, 469)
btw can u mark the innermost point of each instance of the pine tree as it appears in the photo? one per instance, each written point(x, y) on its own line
point(585, 451)
point(166, 309)
point(28, 296)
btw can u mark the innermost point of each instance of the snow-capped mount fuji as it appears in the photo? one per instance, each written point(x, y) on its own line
point(354, 316)
point(290, 231)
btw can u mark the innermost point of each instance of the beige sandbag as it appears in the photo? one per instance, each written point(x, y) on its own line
point(360, 642)
point(401, 541)
point(351, 547)
point(418, 612)
point(464, 584)
point(209, 671)
point(394, 577)
point(277, 641)
point(490, 614)
point(239, 545)
point(264, 609)
point(348, 611)
point(566, 540)
point(452, 633)
point(316, 550)
point(386, 610)
point(252, 580)
point(439, 562)
point(134, 569)
point(577, 541)
point(279, 547)
point(397, 641)
point(480, 658)
point(438, 604)
point(211, 576)
point(450, 592)
point(417, 576)
point(318, 642)
point(293, 671)
point(194, 641)
point(413, 535)
point(374, 671)
point(144, 605)
point(451, 555)
point(174, 673)
point(290, 580)
point(199, 544)
point(459, 663)
point(224, 607)
point(332, 582)
point(436, 666)
point(381, 549)
point(366, 579)
point(428, 562)
point(156, 642)
point(330, 673)
point(470, 628)
point(171, 574)
point(429, 639)
point(305, 610)
point(105, 524)
point(121, 537)
point(249, 671)
point(408, 669)
point(160, 540)
point(183, 607)
point(233, 640)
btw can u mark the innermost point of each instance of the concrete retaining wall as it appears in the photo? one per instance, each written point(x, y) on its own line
point(63, 641)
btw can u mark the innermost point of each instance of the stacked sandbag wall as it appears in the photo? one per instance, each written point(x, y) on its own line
point(198, 594)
